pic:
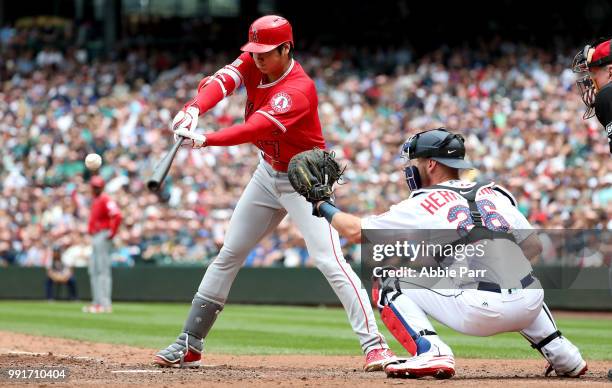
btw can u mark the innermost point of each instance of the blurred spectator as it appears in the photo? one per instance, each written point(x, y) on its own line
point(7, 255)
point(59, 274)
point(513, 103)
point(78, 250)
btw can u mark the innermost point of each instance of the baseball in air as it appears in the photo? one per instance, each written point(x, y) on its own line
point(93, 161)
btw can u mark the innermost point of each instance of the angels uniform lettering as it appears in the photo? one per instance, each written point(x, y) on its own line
point(269, 147)
point(248, 109)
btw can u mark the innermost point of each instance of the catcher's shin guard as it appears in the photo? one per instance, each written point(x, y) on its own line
point(400, 330)
point(384, 294)
point(563, 357)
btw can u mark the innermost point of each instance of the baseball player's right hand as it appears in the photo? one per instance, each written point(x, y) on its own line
point(185, 123)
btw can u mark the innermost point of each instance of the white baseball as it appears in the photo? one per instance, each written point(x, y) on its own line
point(93, 161)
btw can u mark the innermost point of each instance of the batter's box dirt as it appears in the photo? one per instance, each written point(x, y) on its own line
point(93, 364)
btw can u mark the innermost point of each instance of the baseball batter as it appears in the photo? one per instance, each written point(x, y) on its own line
point(281, 119)
point(481, 306)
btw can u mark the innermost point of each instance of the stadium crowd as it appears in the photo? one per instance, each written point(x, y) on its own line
point(515, 105)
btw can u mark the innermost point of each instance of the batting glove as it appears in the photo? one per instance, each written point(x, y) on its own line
point(197, 139)
point(185, 123)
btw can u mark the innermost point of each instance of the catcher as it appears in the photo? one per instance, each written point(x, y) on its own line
point(593, 64)
point(476, 306)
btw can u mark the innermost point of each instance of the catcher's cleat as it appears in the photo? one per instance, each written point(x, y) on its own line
point(578, 371)
point(377, 358)
point(179, 355)
point(431, 363)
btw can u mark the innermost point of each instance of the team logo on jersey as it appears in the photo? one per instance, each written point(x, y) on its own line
point(281, 102)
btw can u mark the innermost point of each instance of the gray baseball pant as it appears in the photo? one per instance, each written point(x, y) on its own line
point(266, 200)
point(100, 269)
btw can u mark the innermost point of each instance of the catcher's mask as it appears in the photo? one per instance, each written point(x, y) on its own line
point(592, 55)
point(436, 144)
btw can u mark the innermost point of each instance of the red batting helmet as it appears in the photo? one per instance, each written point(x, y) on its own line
point(267, 33)
point(97, 181)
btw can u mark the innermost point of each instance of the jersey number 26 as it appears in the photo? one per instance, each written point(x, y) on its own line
point(491, 219)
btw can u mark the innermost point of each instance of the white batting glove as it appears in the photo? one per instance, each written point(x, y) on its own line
point(198, 140)
point(186, 119)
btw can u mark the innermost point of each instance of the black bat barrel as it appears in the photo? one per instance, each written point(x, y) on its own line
point(161, 170)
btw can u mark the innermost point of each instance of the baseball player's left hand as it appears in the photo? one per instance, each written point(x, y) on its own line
point(313, 174)
point(185, 123)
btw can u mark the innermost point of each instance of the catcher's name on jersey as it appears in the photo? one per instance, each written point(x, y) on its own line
point(436, 200)
point(437, 208)
point(428, 272)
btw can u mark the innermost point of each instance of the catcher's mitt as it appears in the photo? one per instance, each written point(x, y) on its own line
point(313, 173)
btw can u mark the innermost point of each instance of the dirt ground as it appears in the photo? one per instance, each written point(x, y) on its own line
point(94, 364)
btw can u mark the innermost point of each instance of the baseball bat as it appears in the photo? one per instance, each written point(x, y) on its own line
point(161, 170)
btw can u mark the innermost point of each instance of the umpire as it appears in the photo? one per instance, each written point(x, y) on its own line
point(594, 65)
point(104, 221)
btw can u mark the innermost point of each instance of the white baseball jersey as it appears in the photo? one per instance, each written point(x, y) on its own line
point(501, 262)
point(475, 311)
point(445, 209)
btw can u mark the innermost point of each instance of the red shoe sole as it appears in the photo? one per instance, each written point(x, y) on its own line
point(186, 364)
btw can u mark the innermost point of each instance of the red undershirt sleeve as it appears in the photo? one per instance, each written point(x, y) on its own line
point(223, 83)
point(208, 97)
